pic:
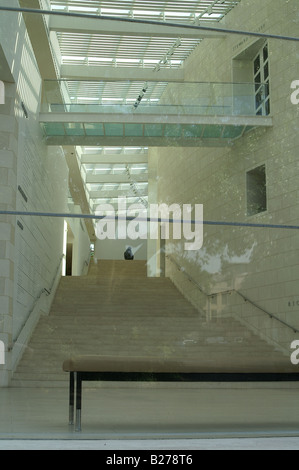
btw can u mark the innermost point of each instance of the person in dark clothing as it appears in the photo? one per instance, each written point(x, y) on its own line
point(128, 254)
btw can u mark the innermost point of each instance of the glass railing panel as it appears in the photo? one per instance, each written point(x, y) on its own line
point(208, 99)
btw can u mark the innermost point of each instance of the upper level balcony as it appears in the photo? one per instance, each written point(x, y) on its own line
point(152, 114)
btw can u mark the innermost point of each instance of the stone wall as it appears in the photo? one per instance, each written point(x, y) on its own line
point(261, 263)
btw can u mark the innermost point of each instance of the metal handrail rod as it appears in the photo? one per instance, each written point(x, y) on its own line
point(190, 278)
point(271, 315)
point(43, 291)
point(170, 25)
point(231, 291)
point(86, 262)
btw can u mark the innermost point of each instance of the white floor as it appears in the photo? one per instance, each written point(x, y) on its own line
point(154, 445)
point(152, 418)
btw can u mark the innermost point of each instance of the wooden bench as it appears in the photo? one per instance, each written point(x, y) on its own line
point(114, 368)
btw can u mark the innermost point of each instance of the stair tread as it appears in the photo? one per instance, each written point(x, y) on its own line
point(117, 310)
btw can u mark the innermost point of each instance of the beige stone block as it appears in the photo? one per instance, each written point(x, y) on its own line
point(8, 124)
point(4, 176)
point(4, 268)
point(2, 285)
point(7, 195)
point(10, 252)
point(2, 249)
point(5, 231)
point(7, 159)
point(9, 288)
point(291, 288)
point(4, 141)
point(4, 305)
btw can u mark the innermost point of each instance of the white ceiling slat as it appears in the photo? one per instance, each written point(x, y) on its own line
point(116, 47)
point(124, 91)
point(114, 158)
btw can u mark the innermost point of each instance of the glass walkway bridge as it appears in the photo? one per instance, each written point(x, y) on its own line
point(154, 114)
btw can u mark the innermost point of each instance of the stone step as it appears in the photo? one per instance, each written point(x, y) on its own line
point(119, 311)
point(133, 330)
point(139, 321)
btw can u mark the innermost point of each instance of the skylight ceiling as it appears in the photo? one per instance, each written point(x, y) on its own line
point(109, 173)
point(184, 11)
point(119, 51)
point(112, 50)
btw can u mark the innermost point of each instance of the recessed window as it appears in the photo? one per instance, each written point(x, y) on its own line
point(252, 65)
point(256, 190)
point(262, 81)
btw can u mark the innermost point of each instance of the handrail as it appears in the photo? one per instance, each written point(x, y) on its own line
point(230, 291)
point(271, 315)
point(42, 291)
point(87, 261)
point(190, 278)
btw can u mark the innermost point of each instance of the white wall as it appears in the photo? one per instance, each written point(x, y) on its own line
point(81, 245)
point(31, 247)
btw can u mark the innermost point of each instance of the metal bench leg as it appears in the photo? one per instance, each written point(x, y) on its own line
point(78, 401)
point(71, 398)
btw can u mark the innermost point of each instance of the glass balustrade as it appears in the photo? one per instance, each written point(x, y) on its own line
point(179, 99)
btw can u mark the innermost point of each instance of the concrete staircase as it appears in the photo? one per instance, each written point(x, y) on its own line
point(117, 310)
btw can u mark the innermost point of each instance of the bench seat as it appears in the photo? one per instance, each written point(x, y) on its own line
point(128, 364)
point(133, 368)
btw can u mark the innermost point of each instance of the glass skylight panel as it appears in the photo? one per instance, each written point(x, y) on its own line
point(177, 11)
point(101, 168)
point(137, 167)
point(113, 50)
point(87, 10)
point(72, 57)
point(113, 150)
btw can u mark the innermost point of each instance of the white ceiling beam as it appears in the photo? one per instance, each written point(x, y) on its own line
point(39, 39)
point(121, 28)
point(115, 206)
point(112, 178)
point(43, 51)
point(84, 72)
point(116, 193)
point(121, 158)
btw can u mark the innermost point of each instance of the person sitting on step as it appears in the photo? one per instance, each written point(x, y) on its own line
point(128, 254)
